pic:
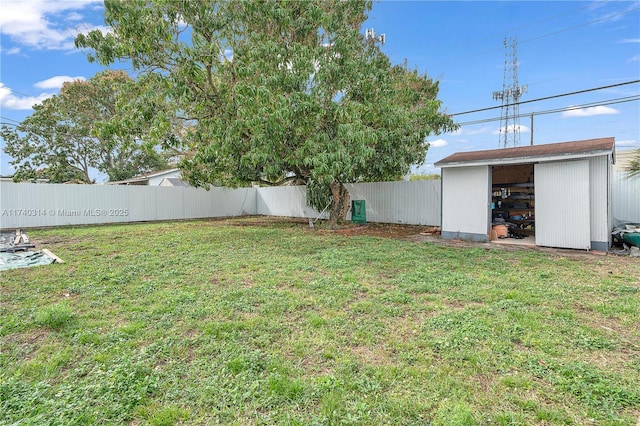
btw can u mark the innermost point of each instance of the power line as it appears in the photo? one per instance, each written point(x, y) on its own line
point(550, 97)
point(9, 119)
point(604, 18)
point(584, 24)
point(550, 18)
point(556, 110)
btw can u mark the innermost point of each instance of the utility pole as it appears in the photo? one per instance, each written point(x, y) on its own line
point(510, 96)
point(531, 130)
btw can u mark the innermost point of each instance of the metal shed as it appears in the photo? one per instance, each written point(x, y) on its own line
point(558, 193)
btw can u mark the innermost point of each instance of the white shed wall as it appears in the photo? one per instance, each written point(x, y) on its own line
point(599, 202)
point(465, 202)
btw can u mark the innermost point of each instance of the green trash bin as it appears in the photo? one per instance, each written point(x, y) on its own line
point(358, 212)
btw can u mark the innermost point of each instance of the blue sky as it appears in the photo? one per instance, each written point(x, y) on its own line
point(562, 47)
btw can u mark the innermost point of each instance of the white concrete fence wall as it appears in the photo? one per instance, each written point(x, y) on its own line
point(25, 205)
point(414, 203)
point(288, 201)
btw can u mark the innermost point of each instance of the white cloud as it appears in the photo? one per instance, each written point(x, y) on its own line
point(589, 112)
point(635, 58)
point(73, 16)
point(630, 40)
point(438, 143)
point(41, 24)
point(56, 82)
point(10, 101)
point(11, 51)
point(627, 143)
point(476, 131)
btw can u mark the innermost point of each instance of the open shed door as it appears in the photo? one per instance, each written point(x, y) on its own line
point(562, 204)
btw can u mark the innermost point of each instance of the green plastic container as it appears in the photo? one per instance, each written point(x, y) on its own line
point(632, 238)
point(358, 211)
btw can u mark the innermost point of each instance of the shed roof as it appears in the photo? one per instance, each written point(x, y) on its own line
point(533, 153)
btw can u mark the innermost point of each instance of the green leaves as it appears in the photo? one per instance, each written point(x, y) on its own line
point(277, 89)
point(90, 125)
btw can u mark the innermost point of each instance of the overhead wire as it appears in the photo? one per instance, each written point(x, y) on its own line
point(584, 24)
point(593, 89)
point(557, 110)
point(9, 119)
point(604, 18)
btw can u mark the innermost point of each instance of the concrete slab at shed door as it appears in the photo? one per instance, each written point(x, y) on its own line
point(562, 204)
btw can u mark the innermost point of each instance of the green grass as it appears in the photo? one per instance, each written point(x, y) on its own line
point(242, 322)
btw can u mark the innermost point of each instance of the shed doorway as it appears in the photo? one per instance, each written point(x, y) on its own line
point(513, 204)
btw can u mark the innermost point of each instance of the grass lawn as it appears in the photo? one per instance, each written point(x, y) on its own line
point(239, 322)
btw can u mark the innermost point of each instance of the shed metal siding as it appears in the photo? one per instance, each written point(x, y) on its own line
point(465, 201)
point(599, 199)
point(562, 204)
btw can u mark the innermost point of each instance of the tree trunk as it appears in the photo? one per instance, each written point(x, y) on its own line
point(339, 203)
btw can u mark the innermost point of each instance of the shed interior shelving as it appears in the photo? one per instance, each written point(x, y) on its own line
point(513, 196)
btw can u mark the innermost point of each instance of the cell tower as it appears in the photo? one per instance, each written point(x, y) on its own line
point(370, 35)
point(510, 96)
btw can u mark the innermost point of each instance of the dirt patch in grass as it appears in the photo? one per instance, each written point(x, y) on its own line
point(415, 233)
point(369, 357)
point(385, 230)
point(28, 342)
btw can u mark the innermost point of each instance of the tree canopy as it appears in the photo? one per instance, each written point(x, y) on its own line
point(277, 91)
point(81, 129)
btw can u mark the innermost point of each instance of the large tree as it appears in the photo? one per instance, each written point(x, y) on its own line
point(278, 91)
point(80, 129)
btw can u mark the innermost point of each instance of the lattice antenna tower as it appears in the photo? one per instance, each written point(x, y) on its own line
point(510, 96)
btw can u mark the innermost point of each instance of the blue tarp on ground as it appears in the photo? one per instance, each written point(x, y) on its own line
point(24, 259)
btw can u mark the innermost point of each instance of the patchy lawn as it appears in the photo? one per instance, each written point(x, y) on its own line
point(248, 321)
